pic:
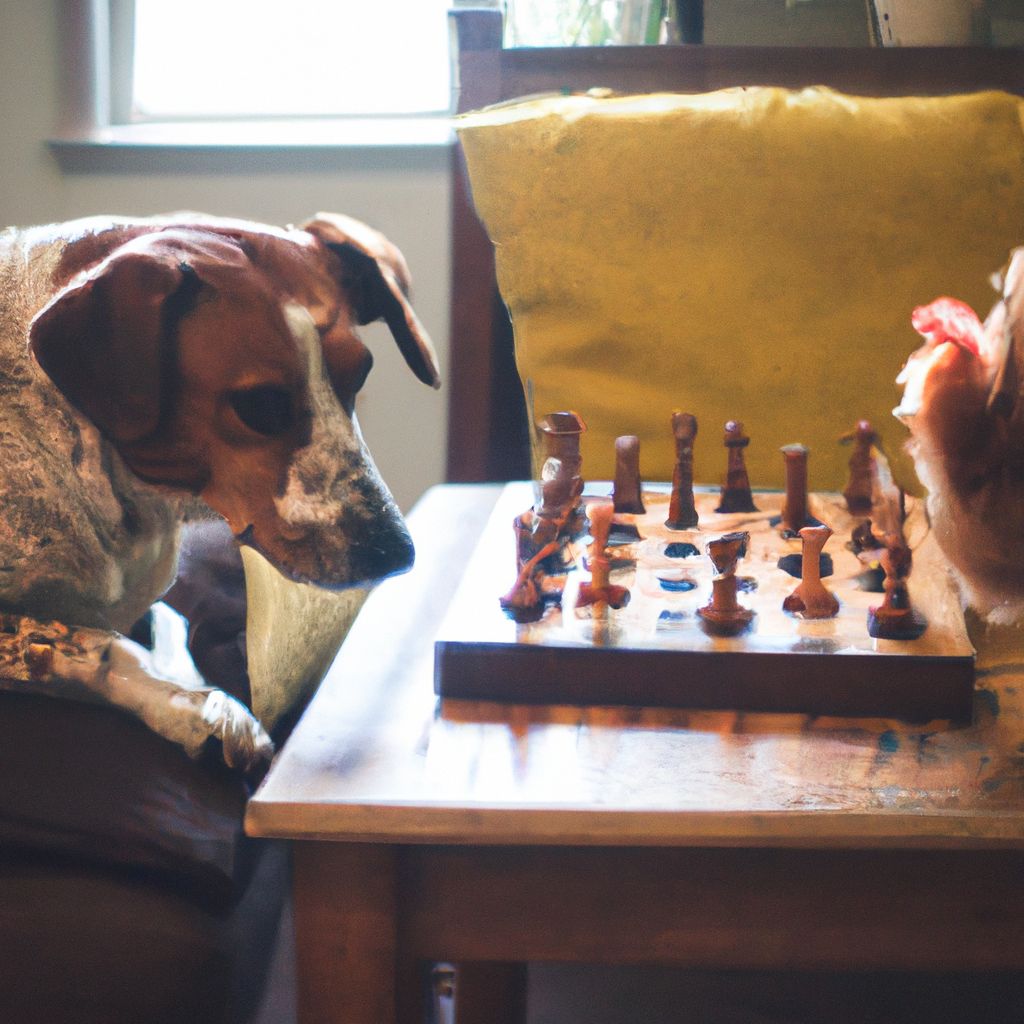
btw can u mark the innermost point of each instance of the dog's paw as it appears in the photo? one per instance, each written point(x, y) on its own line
point(244, 743)
point(186, 715)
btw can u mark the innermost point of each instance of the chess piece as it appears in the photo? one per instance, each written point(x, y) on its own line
point(524, 602)
point(599, 591)
point(794, 510)
point(862, 538)
point(810, 598)
point(561, 479)
point(682, 513)
point(868, 548)
point(863, 468)
point(736, 496)
point(558, 513)
point(896, 618)
point(560, 439)
point(723, 615)
point(627, 489)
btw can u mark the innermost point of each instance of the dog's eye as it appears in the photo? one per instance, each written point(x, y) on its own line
point(268, 410)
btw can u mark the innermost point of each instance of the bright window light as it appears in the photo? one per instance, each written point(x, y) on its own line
point(264, 58)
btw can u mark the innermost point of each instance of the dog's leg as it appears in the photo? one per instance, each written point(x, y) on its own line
point(92, 664)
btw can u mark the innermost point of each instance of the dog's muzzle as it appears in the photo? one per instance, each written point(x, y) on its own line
point(335, 523)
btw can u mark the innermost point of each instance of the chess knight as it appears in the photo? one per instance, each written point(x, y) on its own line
point(962, 402)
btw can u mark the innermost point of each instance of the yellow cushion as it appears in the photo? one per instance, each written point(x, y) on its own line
point(749, 254)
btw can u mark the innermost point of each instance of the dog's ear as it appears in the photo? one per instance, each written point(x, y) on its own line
point(376, 279)
point(106, 340)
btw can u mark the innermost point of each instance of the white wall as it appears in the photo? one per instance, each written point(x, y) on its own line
point(403, 192)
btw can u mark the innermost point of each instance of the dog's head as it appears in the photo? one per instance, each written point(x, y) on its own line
point(222, 358)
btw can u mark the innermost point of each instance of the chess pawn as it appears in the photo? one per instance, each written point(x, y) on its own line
point(524, 601)
point(723, 615)
point(599, 591)
point(627, 491)
point(860, 485)
point(600, 514)
point(794, 512)
point(682, 513)
point(736, 496)
point(896, 618)
point(811, 599)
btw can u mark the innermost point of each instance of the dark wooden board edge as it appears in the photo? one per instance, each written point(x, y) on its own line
point(849, 685)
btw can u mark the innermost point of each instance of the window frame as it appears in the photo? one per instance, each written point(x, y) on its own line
point(95, 102)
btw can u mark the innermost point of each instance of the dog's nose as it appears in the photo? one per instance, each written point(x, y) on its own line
point(388, 551)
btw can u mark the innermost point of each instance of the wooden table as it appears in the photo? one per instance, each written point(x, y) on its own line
point(491, 835)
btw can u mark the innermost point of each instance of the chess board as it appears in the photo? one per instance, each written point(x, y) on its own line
point(654, 652)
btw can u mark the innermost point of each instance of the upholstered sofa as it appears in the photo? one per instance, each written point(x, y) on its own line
point(129, 893)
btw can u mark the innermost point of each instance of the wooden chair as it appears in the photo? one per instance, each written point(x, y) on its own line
point(488, 437)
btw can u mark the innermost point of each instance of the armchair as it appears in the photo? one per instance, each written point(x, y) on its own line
point(489, 436)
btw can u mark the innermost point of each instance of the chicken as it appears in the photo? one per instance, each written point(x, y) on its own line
point(963, 404)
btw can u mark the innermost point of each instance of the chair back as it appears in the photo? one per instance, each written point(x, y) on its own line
point(489, 436)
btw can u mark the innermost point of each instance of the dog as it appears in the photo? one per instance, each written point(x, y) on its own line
point(151, 371)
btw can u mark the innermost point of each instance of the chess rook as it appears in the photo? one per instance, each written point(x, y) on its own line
point(560, 435)
point(559, 511)
point(794, 511)
point(682, 513)
point(626, 493)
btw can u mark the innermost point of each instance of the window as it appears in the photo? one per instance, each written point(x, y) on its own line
point(197, 59)
point(275, 73)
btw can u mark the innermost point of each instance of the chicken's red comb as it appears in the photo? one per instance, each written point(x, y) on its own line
point(948, 319)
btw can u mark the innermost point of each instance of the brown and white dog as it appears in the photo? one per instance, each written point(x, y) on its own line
point(149, 370)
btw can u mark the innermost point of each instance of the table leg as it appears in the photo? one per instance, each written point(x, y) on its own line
point(490, 993)
point(348, 959)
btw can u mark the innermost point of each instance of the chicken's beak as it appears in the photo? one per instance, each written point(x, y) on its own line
point(1002, 396)
point(1006, 323)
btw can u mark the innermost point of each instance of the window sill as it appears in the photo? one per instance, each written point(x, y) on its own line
point(277, 141)
point(271, 134)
